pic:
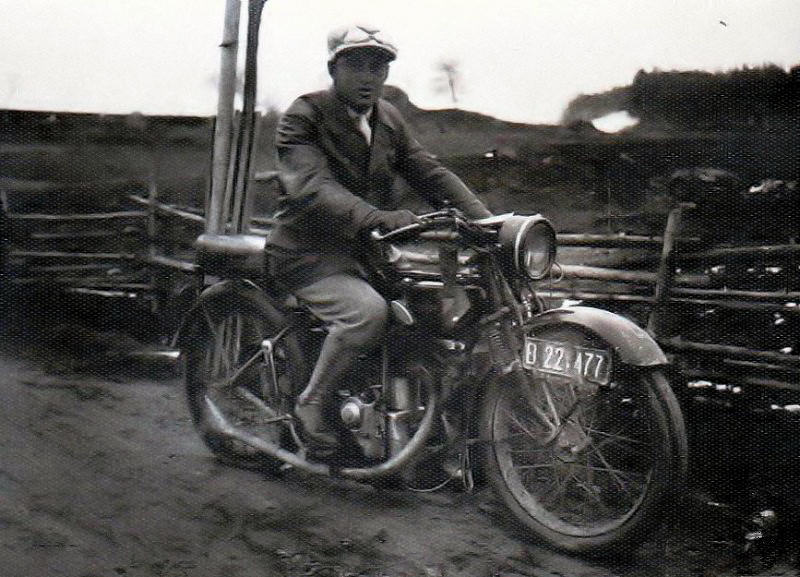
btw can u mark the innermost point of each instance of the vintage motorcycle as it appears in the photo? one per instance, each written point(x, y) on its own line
point(567, 413)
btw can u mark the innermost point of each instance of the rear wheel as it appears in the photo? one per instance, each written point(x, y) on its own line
point(232, 380)
point(586, 467)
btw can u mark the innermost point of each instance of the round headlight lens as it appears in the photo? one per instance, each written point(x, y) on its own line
point(536, 252)
point(529, 242)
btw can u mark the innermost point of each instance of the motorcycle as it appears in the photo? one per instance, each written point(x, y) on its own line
point(567, 413)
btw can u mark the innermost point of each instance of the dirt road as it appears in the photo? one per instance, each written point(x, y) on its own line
point(101, 474)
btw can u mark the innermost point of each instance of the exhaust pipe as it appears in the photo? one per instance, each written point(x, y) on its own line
point(220, 425)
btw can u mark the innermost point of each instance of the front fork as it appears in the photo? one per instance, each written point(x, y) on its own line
point(503, 336)
point(502, 325)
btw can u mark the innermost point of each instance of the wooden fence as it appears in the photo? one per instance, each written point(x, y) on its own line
point(712, 308)
point(727, 315)
point(57, 239)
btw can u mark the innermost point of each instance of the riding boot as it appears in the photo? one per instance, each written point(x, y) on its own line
point(310, 415)
point(355, 315)
point(334, 361)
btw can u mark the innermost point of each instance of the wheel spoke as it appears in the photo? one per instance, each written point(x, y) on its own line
point(233, 344)
point(545, 386)
point(626, 474)
point(615, 474)
point(525, 430)
point(536, 466)
point(247, 365)
point(220, 353)
point(217, 350)
point(612, 437)
point(596, 499)
point(523, 450)
point(229, 381)
point(562, 484)
point(527, 393)
point(247, 395)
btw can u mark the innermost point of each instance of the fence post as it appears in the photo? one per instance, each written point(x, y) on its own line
point(156, 281)
point(657, 324)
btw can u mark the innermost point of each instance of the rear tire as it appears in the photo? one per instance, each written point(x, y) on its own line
point(227, 377)
point(598, 480)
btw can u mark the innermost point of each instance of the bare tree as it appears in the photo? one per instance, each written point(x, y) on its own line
point(450, 78)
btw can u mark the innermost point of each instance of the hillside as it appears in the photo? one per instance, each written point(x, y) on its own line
point(743, 122)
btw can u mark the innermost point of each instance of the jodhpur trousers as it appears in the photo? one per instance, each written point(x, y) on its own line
point(355, 315)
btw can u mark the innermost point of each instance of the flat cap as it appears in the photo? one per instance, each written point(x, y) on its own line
point(359, 36)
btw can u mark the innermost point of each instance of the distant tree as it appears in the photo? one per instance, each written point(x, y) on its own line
point(450, 78)
point(748, 96)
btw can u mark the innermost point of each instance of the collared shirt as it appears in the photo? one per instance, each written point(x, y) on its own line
point(334, 181)
point(362, 122)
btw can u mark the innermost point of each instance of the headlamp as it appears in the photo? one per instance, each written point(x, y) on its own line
point(530, 243)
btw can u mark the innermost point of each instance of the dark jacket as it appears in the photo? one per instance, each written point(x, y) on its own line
point(333, 180)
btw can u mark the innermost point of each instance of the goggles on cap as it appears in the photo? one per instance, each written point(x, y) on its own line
point(353, 37)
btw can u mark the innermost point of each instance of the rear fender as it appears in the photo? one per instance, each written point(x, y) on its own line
point(632, 344)
point(239, 291)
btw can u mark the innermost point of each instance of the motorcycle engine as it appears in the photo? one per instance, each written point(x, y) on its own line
point(365, 422)
point(380, 423)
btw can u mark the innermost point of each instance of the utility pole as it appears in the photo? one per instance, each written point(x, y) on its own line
point(223, 128)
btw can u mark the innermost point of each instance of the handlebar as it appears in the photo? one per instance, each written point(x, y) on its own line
point(427, 221)
point(376, 234)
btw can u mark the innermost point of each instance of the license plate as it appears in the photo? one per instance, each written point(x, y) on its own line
point(552, 357)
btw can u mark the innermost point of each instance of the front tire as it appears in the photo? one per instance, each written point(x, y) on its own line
point(228, 378)
point(586, 468)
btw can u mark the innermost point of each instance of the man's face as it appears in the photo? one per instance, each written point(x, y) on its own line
point(358, 77)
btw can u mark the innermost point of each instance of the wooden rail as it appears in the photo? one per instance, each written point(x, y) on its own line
point(72, 255)
point(737, 353)
point(173, 263)
point(658, 278)
point(619, 240)
point(660, 275)
point(632, 297)
point(169, 210)
point(571, 271)
point(64, 218)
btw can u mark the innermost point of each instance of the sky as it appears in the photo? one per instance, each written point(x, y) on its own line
point(519, 60)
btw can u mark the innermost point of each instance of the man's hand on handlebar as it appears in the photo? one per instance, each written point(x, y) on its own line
point(389, 220)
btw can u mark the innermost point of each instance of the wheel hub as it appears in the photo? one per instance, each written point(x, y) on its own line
point(570, 443)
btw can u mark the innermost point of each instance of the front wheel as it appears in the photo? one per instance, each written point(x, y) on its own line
point(586, 467)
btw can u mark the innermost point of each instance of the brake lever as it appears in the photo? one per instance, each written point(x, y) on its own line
point(426, 220)
point(437, 214)
point(377, 236)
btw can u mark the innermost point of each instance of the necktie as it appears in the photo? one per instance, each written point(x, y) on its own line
point(364, 127)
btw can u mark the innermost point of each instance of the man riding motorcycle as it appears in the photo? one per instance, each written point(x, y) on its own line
point(339, 153)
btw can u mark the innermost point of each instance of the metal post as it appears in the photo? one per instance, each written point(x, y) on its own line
point(223, 127)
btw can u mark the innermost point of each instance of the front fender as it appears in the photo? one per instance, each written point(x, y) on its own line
point(238, 292)
point(632, 344)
